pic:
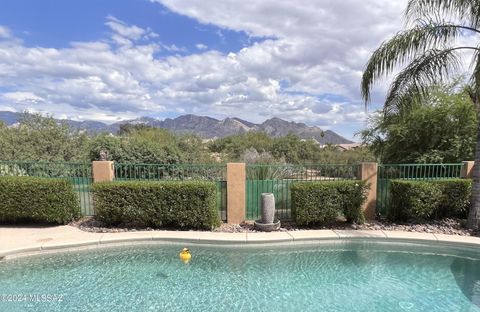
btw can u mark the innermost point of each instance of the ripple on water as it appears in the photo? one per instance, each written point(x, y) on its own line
point(349, 277)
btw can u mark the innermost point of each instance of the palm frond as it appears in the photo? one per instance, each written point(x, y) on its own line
point(466, 11)
point(405, 46)
point(475, 81)
point(413, 83)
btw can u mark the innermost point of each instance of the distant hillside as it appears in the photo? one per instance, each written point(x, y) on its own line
point(11, 118)
point(205, 127)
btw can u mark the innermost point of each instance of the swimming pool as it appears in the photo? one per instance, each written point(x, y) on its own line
point(341, 276)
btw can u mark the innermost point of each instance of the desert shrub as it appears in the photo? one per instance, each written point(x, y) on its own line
point(274, 172)
point(37, 200)
point(12, 170)
point(180, 204)
point(324, 202)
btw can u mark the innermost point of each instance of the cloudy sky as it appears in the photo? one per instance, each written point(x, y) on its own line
point(109, 60)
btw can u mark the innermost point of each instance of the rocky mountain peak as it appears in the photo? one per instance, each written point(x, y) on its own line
point(206, 127)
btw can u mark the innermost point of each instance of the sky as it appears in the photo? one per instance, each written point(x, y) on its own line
point(110, 60)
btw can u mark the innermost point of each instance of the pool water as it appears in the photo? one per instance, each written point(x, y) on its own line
point(345, 276)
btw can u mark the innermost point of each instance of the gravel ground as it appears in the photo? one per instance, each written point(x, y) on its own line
point(446, 226)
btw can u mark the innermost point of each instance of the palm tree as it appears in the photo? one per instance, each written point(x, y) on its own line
point(428, 53)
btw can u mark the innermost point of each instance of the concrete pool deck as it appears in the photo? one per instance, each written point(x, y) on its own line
point(16, 241)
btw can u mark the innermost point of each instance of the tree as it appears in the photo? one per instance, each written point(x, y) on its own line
point(153, 146)
point(38, 138)
point(234, 146)
point(294, 150)
point(331, 154)
point(193, 149)
point(109, 143)
point(287, 149)
point(149, 145)
point(428, 53)
point(128, 128)
point(442, 129)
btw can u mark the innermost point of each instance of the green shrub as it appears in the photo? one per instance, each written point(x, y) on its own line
point(38, 200)
point(420, 200)
point(12, 170)
point(415, 200)
point(456, 196)
point(323, 202)
point(181, 204)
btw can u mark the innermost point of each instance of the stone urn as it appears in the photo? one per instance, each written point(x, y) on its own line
point(268, 222)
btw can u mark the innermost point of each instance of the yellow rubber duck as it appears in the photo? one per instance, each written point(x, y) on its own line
point(185, 255)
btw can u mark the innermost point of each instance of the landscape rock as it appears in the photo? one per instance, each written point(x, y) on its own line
point(448, 226)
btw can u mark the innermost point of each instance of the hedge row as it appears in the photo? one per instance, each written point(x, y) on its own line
point(420, 200)
point(324, 202)
point(185, 204)
point(37, 200)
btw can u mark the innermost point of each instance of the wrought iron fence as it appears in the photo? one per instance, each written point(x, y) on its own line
point(277, 179)
point(169, 172)
point(389, 172)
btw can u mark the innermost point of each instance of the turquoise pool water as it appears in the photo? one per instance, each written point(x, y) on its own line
point(355, 276)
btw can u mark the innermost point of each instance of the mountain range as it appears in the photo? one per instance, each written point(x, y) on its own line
point(205, 127)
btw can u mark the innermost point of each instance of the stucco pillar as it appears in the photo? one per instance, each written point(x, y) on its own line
point(467, 169)
point(367, 172)
point(236, 184)
point(103, 171)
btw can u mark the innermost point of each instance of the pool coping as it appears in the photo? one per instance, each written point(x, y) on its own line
point(14, 242)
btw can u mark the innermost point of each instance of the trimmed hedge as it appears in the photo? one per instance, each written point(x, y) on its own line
point(413, 200)
point(182, 204)
point(35, 199)
point(420, 200)
point(456, 197)
point(324, 202)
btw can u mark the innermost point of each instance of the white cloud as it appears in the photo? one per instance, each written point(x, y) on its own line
point(201, 46)
point(124, 34)
point(173, 48)
point(22, 97)
point(122, 29)
point(321, 46)
point(315, 48)
point(4, 32)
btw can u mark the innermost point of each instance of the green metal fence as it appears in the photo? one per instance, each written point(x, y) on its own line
point(277, 179)
point(178, 172)
point(386, 173)
point(80, 174)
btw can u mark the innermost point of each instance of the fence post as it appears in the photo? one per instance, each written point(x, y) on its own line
point(103, 171)
point(467, 169)
point(368, 172)
point(236, 184)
